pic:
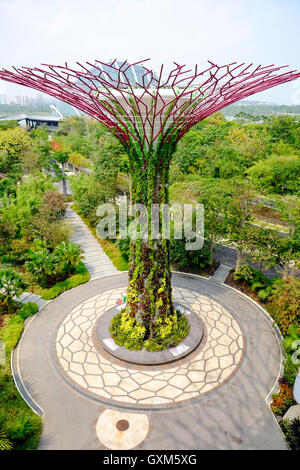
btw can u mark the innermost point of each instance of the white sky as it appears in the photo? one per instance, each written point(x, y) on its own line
point(185, 31)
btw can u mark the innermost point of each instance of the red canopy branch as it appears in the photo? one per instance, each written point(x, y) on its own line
point(150, 107)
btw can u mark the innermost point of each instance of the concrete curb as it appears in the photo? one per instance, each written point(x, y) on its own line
point(15, 370)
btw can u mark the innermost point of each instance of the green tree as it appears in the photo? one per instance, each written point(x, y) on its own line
point(89, 192)
point(237, 215)
point(279, 174)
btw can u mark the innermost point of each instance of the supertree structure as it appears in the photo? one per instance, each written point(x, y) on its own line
point(149, 113)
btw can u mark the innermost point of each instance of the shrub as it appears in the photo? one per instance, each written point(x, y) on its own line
point(256, 280)
point(82, 275)
point(89, 192)
point(292, 432)
point(290, 370)
point(7, 233)
point(52, 233)
point(284, 304)
point(5, 443)
point(277, 174)
point(28, 309)
point(68, 256)
point(282, 400)
point(12, 332)
point(12, 285)
point(53, 207)
point(43, 266)
point(169, 331)
point(20, 428)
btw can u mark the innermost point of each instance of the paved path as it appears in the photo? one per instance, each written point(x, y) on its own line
point(97, 262)
point(30, 297)
point(233, 416)
point(221, 273)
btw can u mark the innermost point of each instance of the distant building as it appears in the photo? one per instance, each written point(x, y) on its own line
point(3, 99)
point(50, 122)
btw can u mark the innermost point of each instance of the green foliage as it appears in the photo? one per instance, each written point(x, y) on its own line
point(89, 192)
point(12, 332)
point(43, 266)
point(284, 128)
point(284, 304)
point(168, 331)
point(5, 443)
point(290, 369)
point(282, 400)
point(14, 141)
point(4, 125)
point(290, 345)
point(47, 267)
point(19, 209)
point(257, 281)
point(12, 284)
point(69, 257)
point(80, 277)
point(292, 432)
point(19, 426)
point(279, 174)
point(182, 257)
point(28, 309)
point(61, 157)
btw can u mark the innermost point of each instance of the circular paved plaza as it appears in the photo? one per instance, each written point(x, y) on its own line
point(213, 363)
point(213, 398)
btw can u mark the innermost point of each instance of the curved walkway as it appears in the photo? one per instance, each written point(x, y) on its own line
point(232, 416)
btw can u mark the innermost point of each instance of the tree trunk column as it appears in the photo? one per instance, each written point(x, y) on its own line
point(149, 295)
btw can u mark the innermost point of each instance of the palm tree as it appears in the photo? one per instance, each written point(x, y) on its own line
point(5, 443)
point(42, 265)
point(68, 255)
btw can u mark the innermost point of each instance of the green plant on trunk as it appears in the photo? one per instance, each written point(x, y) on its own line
point(149, 318)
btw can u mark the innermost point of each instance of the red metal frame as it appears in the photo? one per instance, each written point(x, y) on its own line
point(116, 104)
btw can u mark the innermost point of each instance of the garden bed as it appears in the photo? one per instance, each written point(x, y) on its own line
point(20, 427)
point(81, 276)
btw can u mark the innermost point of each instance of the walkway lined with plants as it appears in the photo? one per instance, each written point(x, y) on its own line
point(30, 297)
point(221, 274)
point(96, 261)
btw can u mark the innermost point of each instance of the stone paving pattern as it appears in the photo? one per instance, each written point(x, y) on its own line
point(200, 373)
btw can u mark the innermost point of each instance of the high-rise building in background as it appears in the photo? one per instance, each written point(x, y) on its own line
point(3, 99)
